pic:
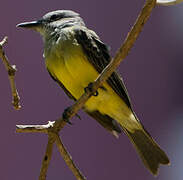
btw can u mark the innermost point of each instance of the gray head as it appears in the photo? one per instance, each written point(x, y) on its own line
point(53, 20)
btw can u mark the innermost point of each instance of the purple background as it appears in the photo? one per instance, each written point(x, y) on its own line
point(153, 73)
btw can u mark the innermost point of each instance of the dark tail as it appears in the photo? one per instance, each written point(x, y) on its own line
point(148, 149)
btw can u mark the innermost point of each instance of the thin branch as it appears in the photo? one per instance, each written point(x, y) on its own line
point(34, 128)
point(168, 2)
point(47, 157)
point(11, 69)
point(56, 126)
point(68, 159)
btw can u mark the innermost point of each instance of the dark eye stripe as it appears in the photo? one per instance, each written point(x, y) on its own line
point(55, 17)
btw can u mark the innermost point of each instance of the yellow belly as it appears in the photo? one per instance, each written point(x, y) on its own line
point(75, 73)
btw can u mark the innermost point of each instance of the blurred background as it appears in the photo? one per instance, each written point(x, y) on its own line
point(153, 73)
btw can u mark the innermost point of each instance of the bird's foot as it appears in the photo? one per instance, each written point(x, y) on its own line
point(90, 89)
point(66, 115)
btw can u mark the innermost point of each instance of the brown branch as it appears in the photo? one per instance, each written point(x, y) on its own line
point(56, 126)
point(34, 128)
point(68, 159)
point(11, 69)
point(47, 157)
point(168, 2)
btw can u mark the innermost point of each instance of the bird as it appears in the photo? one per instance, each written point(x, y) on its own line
point(74, 57)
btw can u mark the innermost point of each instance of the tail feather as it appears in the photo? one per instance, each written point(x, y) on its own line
point(150, 152)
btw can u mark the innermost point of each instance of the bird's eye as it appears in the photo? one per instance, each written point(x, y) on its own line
point(54, 17)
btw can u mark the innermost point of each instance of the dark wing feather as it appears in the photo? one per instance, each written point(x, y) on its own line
point(98, 55)
point(106, 121)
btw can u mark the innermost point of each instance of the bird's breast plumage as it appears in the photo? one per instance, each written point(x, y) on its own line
point(68, 64)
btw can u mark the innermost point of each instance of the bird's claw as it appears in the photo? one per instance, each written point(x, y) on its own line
point(65, 115)
point(90, 89)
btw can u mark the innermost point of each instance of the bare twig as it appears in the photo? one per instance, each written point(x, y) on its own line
point(11, 69)
point(68, 159)
point(34, 128)
point(56, 126)
point(168, 2)
point(47, 157)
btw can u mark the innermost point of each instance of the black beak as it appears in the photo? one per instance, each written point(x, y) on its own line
point(30, 25)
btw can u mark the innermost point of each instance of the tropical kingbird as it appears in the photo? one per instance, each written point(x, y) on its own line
point(74, 57)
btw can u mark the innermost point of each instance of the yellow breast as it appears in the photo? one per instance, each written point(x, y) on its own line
point(73, 70)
